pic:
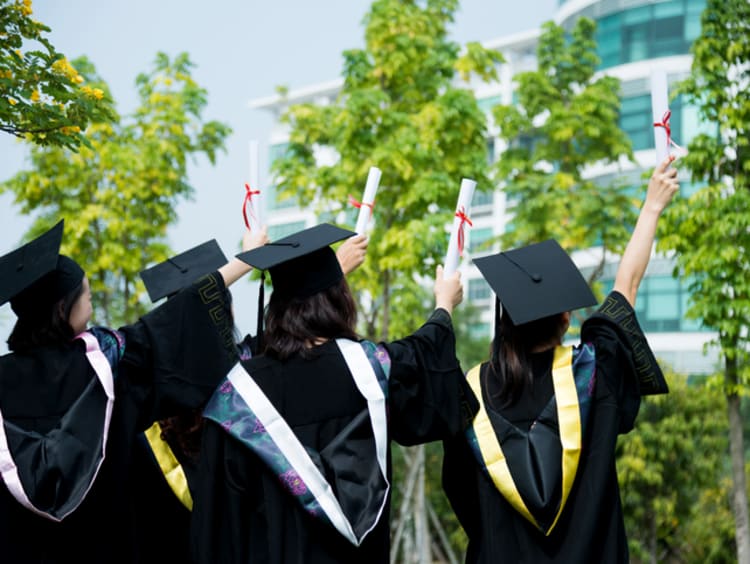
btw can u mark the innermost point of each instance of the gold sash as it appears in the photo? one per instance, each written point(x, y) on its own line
point(569, 421)
point(169, 465)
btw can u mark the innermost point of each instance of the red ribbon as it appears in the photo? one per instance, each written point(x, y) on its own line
point(461, 214)
point(358, 204)
point(248, 200)
point(665, 124)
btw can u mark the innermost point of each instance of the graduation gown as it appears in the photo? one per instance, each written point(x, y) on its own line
point(170, 360)
point(243, 514)
point(590, 528)
point(163, 516)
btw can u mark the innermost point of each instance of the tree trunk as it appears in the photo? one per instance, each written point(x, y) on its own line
point(737, 451)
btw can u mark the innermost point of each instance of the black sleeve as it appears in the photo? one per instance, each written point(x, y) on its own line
point(459, 480)
point(625, 366)
point(429, 398)
point(616, 313)
point(180, 351)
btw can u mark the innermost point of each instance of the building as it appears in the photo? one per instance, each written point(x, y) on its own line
point(634, 37)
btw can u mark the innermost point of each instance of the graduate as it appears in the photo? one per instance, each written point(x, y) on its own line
point(74, 400)
point(533, 479)
point(295, 462)
point(166, 457)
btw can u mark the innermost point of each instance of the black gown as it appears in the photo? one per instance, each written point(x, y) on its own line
point(172, 360)
point(242, 514)
point(590, 528)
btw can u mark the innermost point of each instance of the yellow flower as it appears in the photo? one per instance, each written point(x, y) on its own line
point(78, 79)
point(35, 96)
point(62, 66)
point(12, 101)
point(98, 93)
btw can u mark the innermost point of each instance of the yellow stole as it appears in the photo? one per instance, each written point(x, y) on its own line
point(569, 421)
point(169, 465)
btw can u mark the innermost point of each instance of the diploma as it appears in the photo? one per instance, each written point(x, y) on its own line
point(660, 113)
point(456, 242)
point(368, 200)
point(251, 208)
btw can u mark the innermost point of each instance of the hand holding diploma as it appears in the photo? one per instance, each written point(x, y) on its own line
point(368, 200)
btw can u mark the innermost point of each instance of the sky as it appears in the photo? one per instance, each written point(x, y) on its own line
point(243, 50)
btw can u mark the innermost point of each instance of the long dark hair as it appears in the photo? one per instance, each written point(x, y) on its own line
point(511, 350)
point(293, 323)
point(48, 328)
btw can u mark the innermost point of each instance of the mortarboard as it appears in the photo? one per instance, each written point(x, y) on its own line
point(35, 276)
point(174, 274)
point(536, 281)
point(301, 264)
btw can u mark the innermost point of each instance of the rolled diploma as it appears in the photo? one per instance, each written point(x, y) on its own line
point(659, 106)
point(464, 202)
point(365, 210)
point(254, 212)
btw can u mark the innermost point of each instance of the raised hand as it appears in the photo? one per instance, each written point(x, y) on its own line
point(254, 239)
point(449, 292)
point(351, 253)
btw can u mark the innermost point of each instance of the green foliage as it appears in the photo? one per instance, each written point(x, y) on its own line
point(709, 231)
point(700, 227)
point(398, 110)
point(118, 196)
point(565, 120)
point(470, 349)
point(44, 99)
point(673, 467)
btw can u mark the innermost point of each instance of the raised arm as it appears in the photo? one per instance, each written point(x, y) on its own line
point(449, 292)
point(235, 268)
point(351, 253)
point(661, 187)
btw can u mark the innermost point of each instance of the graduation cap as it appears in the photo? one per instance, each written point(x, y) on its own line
point(36, 276)
point(174, 274)
point(536, 281)
point(301, 264)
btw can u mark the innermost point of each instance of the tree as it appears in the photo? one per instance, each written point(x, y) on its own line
point(400, 109)
point(44, 98)
point(566, 119)
point(670, 468)
point(118, 195)
point(710, 231)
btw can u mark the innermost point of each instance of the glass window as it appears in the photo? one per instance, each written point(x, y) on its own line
point(283, 229)
point(635, 121)
point(486, 104)
point(491, 151)
point(668, 9)
point(688, 324)
point(661, 304)
point(479, 239)
point(479, 289)
point(276, 151)
point(648, 31)
point(479, 330)
point(479, 199)
point(637, 15)
point(274, 203)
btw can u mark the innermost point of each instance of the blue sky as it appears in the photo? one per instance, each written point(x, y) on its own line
point(242, 49)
